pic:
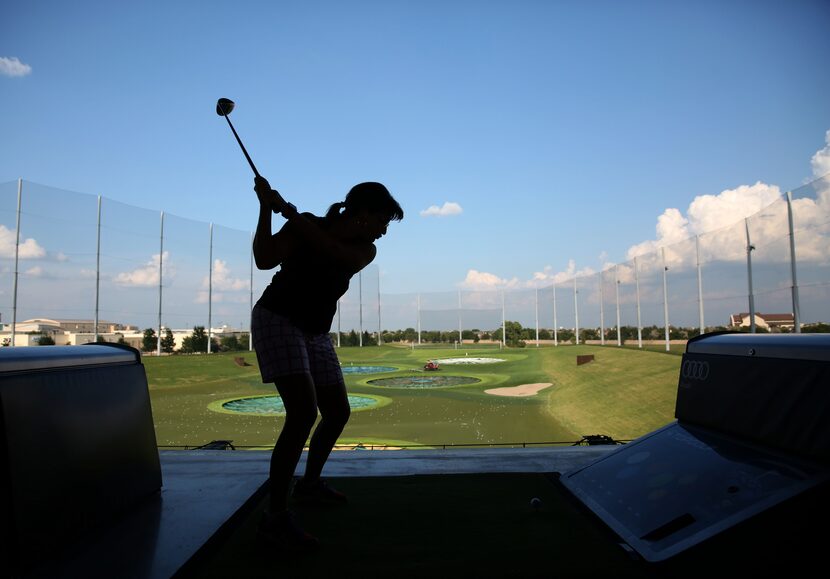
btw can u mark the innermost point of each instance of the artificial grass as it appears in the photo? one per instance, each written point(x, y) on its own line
point(478, 525)
point(624, 394)
point(482, 525)
point(182, 388)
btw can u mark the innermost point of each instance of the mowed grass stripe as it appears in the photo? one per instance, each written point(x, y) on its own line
point(623, 393)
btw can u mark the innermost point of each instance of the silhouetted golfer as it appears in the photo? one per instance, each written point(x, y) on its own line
point(290, 326)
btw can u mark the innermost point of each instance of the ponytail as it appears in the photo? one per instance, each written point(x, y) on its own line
point(334, 210)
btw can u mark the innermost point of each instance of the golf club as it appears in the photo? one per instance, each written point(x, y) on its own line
point(223, 109)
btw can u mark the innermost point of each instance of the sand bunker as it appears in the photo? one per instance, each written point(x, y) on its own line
point(523, 390)
point(468, 360)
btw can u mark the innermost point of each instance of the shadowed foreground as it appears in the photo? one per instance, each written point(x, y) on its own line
point(483, 525)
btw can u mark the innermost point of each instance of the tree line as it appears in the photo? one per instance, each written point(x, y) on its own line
point(518, 336)
point(194, 343)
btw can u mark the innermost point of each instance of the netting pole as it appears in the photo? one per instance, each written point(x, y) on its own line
point(665, 297)
point(699, 285)
point(210, 291)
point(617, 291)
point(749, 248)
point(380, 339)
point(161, 264)
point(460, 335)
point(360, 307)
point(639, 320)
point(503, 322)
point(576, 313)
point(555, 322)
point(16, 259)
point(796, 305)
point(251, 300)
point(537, 317)
point(98, 268)
point(601, 309)
point(419, 319)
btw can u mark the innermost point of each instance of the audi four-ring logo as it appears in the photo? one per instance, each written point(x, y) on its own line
point(695, 370)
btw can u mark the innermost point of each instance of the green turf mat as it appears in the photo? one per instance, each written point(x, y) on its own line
point(477, 525)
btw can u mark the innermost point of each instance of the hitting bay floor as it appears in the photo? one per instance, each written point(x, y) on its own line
point(202, 489)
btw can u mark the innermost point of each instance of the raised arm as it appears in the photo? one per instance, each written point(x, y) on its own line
point(270, 249)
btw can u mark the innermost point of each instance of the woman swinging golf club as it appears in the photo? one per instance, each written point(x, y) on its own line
point(290, 325)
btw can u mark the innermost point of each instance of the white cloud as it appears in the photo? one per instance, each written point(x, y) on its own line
point(28, 249)
point(11, 66)
point(146, 275)
point(719, 221)
point(222, 279)
point(221, 297)
point(481, 280)
point(548, 276)
point(709, 214)
point(821, 160)
point(223, 282)
point(36, 271)
point(448, 208)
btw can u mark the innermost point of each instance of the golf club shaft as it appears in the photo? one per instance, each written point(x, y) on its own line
point(238, 140)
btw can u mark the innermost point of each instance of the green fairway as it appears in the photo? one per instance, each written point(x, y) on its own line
point(623, 393)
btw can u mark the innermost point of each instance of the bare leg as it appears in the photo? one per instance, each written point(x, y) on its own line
point(297, 393)
point(334, 411)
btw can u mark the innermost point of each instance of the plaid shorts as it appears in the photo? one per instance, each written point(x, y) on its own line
point(282, 349)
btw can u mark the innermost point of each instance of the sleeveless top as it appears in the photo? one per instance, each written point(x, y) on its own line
point(307, 287)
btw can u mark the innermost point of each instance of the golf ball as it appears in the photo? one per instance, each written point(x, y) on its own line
point(536, 503)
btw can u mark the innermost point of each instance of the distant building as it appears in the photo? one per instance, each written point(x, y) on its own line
point(766, 321)
point(64, 332)
point(88, 326)
point(76, 332)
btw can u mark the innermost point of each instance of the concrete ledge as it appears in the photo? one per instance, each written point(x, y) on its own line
point(199, 463)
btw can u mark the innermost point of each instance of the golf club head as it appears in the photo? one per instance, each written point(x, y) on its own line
point(224, 107)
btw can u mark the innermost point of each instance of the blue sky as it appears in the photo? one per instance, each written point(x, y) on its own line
point(561, 130)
